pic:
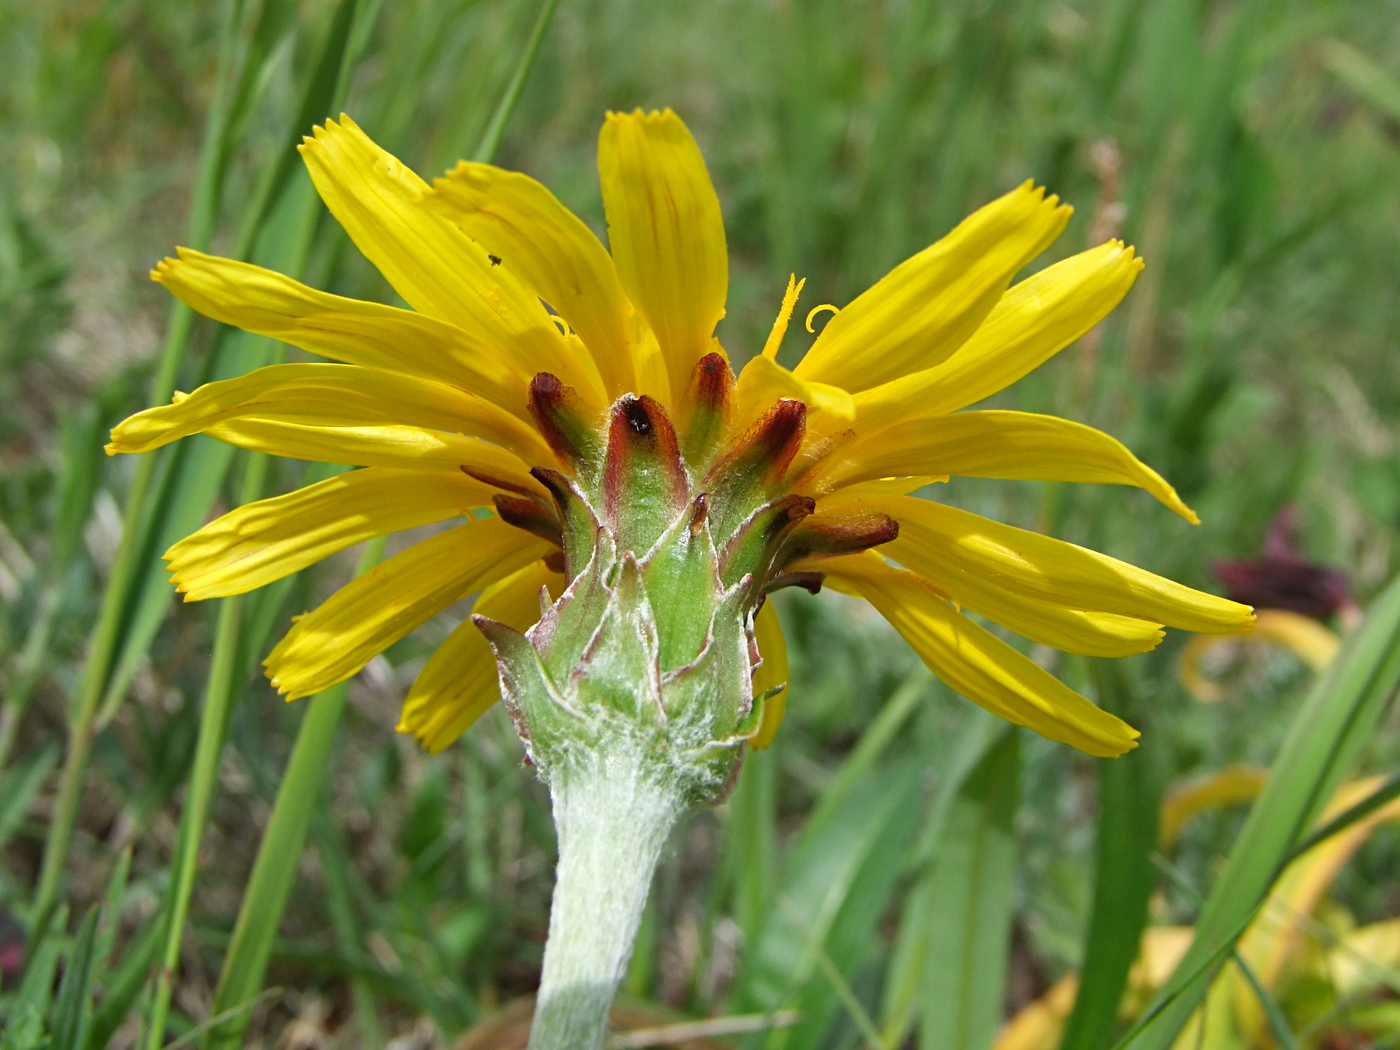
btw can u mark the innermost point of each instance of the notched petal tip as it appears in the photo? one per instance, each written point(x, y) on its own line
point(650, 116)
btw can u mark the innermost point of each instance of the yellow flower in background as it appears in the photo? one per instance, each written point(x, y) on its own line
point(618, 450)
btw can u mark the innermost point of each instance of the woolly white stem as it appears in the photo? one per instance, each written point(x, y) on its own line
point(612, 815)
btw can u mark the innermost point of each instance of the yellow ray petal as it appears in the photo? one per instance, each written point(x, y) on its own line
point(999, 444)
point(1032, 322)
point(928, 305)
point(373, 611)
point(264, 541)
point(329, 395)
point(458, 684)
point(666, 232)
point(393, 446)
point(1089, 633)
point(772, 647)
point(763, 381)
point(975, 663)
point(944, 542)
point(554, 253)
point(652, 376)
point(436, 268)
point(882, 487)
point(349, 330)
point(1069, 630)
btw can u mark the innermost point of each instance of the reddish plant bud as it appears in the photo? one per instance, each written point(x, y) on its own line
point(768, 447)
point(532, 515)
point(751, 549)
point(829, 535)
point(578, 525)
point(711, 389)
point(644, 482)
point(562, 419)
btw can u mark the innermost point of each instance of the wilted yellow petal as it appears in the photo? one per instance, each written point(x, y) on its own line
point(772, 647)
point(436, 268)
point(928, 305)
point(1225, 787)
point(458, 684)
point(349, 330)
point(329, 395)
point(373, 611)
point(1040, 1023)
point(1366, 960)
point(975, 663)
point(1032, 321)
point(666, 232)
point(998, 444)
point(391, 446)
point(1310, 641)
point(1159, 953)
point(553, 252)
point(264, 541)
point(942, 541)
point(1276, 934)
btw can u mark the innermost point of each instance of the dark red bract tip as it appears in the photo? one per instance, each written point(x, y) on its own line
point(559, 415)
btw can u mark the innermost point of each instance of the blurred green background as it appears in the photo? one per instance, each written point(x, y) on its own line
point(1250, 149)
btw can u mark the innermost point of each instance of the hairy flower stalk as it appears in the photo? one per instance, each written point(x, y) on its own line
point(644, 499)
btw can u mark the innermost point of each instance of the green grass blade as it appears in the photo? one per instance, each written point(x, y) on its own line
point(120, 991)
point(873, 742)
point(72, 1007)
point(125, 567)
point(36, 987)
point(1324, 740)
point(218, 699)
point(1278, 1023)
point(904, 981)
point(227, 670)
point(339, 904)
point(838, 881)
point(190, 481)
point(969, 891)
point(491, 137)
point(752, 828)
point(275, 869)
point(19, 786)
point(1130, 797)
point(1360, 811)
point(855, 1009)
point(111, 918)
point(1370, 81)
point(813, 923)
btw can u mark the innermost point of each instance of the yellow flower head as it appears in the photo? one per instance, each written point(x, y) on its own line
point(581, 395)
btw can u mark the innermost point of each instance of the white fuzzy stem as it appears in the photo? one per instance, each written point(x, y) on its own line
point(612, 817)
